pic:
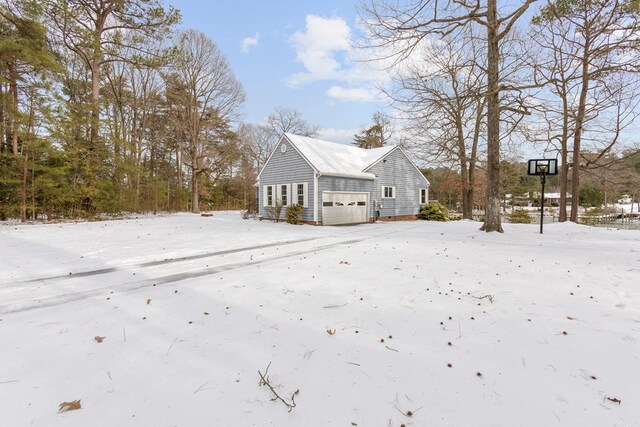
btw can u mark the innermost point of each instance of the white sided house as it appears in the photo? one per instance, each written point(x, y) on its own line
point(340, 184)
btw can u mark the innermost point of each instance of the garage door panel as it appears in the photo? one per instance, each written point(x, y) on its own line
point(344, 208)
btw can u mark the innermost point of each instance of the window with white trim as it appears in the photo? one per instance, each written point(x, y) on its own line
point(283, 194)
point(423, 196)
point(388, 192)
point(268, 196)
point(300, 194)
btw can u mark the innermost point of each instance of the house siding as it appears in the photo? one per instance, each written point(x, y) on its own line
point(393, 170)
point(397, 171)
point(333, 183)
point(287, 168)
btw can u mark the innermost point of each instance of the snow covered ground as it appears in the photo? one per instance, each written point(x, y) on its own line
point(414, 323)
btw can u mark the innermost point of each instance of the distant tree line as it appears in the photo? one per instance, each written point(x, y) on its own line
point(613, 178)
point(106, 107)
point(472, 80)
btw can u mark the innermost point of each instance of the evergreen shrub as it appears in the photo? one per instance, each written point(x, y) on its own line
point(520, 216)
point(433, 212)
point(294, 214)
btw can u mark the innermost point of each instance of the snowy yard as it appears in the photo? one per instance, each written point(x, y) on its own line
point(415, 323)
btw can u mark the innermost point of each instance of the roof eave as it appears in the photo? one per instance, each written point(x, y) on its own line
point(284, 135)
point(367, 176)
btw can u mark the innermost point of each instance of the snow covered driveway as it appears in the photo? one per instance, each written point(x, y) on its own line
point(411, 323)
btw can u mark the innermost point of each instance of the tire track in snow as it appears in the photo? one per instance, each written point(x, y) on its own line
point(50, 301)
point(158, 262)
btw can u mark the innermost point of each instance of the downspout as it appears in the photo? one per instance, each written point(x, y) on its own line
point(315, 197)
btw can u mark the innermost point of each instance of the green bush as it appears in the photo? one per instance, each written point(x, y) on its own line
point(590, 195)
point(433, 212)
point(520, 216)
point(294, 214)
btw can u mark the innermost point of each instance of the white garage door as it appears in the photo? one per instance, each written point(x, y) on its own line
point(344, 208)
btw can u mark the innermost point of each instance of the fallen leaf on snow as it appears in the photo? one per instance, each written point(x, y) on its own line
point(70, 406)
point(98, 339)
point(148, 301)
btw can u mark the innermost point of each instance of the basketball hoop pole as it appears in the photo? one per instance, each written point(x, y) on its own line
point(542, 167)
point(543, 179)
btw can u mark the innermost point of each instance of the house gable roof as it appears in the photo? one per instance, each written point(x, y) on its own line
point(399, 148)
point(330, 158)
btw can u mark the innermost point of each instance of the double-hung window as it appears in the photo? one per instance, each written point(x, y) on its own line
point(268, 196)
point(423, 196)
point(284, 195)
point(388, 192)
point(300, 194)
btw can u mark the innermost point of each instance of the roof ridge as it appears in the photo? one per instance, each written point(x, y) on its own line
point(368, 156)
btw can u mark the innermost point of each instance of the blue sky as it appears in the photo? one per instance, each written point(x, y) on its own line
point(292, 54)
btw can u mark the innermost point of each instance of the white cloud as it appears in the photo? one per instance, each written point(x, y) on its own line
point(326, 52)
point(359, 94)
point(317, 46)
point(343, 136)
point(249, 42)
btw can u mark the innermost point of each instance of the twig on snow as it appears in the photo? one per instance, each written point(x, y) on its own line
point(201, 387)
point(334, 305)
point(489, 297)
point(171, 346)
point(286, 290)
point(264, 380)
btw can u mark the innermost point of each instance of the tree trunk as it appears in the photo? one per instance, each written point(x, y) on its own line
point(492, 220)
point(3, 142)
point(577, 136)
point(23, 204)
point(95, 100)
point(195, 202)
point(33, 195)
point(13, 89)
point(472, 161)
point(179, 178)
point(563, 177)
point(467, 211)
point(464, 172)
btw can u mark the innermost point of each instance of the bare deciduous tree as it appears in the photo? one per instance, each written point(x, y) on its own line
point(259, 140)
point(399, 28)
point(285, 119)
point(212, 96)
point(440, 98)
point(589, 43)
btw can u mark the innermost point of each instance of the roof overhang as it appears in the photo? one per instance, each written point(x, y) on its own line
point(284, 136)
point(367, 176)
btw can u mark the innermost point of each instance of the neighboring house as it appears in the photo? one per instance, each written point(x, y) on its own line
point(340, 184)
point(554, 198)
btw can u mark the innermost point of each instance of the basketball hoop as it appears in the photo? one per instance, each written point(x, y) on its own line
point(542, 168)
